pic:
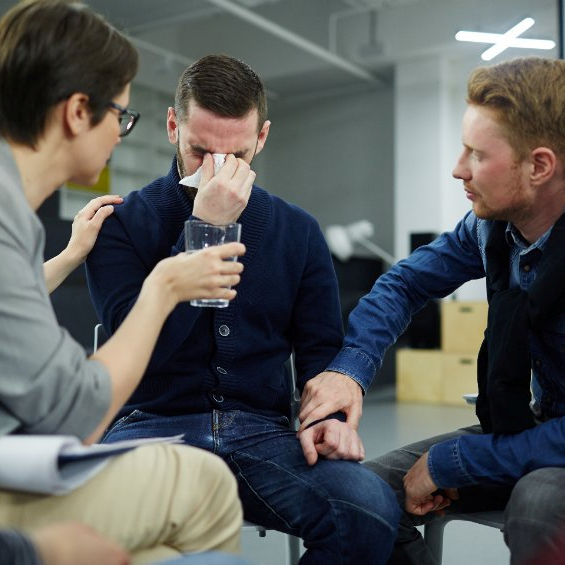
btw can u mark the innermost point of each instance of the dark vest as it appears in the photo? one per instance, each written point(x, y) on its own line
point(504, 362)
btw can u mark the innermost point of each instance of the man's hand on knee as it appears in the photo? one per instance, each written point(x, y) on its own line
point(422, 494)
point(327, 393)
point(331, 439)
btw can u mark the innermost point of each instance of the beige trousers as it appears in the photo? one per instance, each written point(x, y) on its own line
point(156, 501)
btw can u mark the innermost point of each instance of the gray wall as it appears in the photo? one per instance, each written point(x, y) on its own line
point(334, 157)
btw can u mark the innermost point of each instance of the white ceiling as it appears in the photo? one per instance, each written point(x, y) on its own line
point(310, 47)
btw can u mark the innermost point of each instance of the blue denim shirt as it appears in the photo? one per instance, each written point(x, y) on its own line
point(434, 271)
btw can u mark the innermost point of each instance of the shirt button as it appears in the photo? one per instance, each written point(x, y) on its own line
point(526, 268)
point(221, 370)
point(537, 363)
point(224, 330)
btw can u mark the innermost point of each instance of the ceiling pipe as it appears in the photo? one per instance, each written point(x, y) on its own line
point(296, 40)
point(171, 56)
point(333, 21)
point(167, 54)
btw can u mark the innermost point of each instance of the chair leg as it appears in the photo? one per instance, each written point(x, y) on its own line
point(433, 536)
point(293, 549)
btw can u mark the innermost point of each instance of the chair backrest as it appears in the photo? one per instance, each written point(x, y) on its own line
point(294, 392)
point(100, 336)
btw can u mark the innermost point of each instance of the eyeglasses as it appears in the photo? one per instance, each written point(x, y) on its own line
point(127, 117)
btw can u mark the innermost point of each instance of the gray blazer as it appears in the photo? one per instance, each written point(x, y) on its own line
point(47, 384)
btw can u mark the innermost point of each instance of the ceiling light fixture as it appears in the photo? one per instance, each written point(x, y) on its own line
point(502, 41)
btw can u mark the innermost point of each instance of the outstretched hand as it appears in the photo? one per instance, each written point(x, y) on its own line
point(85, 230)
point(203, 274)
point(328, 393)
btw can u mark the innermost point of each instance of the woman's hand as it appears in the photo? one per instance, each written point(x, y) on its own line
point(87, 224)
point(204, 274)
point(207, 273)
point(85, 230)
point(77, 544)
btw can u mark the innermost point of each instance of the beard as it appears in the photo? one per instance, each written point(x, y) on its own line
point(514, 210)
point(190, 191)
point(180, 164)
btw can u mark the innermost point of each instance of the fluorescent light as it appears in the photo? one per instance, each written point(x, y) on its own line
point(479, 37)
point(504, 42)
point(501, 41)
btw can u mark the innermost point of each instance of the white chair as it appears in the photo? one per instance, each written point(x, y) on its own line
point(433, 532)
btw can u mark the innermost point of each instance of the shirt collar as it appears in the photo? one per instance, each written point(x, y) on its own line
point(514, 237)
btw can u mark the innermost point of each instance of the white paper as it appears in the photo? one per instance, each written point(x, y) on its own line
point(194, 179)
point(57, 464)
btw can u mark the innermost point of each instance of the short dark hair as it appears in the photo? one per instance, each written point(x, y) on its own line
point(223, 85)
point(51, 49)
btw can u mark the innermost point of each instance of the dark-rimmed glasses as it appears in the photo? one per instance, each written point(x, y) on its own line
point(127, 117)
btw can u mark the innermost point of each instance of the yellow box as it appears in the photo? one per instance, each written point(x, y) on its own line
point(459, 377)
point(418, 375)
point(102, 186)
point(462, 326)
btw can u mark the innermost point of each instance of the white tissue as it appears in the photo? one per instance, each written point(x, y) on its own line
point(194, 179)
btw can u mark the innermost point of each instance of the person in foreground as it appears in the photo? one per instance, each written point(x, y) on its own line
point(218, 375)
point(513, 172)
point(64, 87)
point(73, 543)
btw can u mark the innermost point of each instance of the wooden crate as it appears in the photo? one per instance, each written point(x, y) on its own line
point(418, 375)
point(462, 326)
point(435, 377)
point(458, 376)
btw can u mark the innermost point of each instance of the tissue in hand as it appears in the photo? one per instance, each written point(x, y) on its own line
point(194, 179)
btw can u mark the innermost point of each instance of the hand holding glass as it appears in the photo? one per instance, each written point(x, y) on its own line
point(199, 235)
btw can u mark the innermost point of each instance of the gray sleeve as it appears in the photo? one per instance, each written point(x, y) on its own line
point(17, 549)
point(47, 384)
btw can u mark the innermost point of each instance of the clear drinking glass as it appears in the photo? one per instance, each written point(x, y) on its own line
point(199, 235)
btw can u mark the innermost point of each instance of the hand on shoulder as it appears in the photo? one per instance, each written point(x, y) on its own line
point(87, 224)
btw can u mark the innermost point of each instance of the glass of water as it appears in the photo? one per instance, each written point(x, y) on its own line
point(199, 235)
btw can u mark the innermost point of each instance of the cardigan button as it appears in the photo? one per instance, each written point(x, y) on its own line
point(217, 397)
point(221, 370)
point(526, 268)
point(224, 330)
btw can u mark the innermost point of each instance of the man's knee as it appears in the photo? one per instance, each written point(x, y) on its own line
point(371, 498)
point(214, 508)
point(216, 481)
point(537, 496)
point(535, 513)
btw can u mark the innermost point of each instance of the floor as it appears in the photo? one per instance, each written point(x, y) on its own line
point(384, 426)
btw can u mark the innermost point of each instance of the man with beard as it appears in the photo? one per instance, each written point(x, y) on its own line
point(512, 168)
point(218, 375)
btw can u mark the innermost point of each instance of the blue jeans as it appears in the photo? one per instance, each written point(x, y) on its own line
point(343, 511)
